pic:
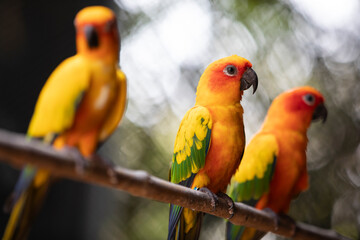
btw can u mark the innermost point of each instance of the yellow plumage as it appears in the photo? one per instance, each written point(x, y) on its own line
point(80, 105)
point(196, 122)
point(263, 147)
point(211, 138)
point(57, 102)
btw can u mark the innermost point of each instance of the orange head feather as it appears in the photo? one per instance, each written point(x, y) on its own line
point(296, 109)
point(224, 80)
point(97, 34)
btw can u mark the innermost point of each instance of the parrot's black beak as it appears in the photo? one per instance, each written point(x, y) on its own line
point(320, 113)
point(92, 37)
point(249, 78)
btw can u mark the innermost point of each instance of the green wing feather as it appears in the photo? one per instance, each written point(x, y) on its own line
point(254, 174)
point(191, 144)
point(253, 177)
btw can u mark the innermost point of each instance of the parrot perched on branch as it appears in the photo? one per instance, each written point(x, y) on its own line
point(210, 141)
point(80, 105)
point(273, 169)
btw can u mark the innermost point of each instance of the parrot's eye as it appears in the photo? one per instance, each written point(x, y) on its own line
point(230, 70)
point(309, 99)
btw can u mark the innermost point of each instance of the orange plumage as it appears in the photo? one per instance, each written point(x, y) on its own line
point(273, 170)
point(210, 141)
point(288, 120)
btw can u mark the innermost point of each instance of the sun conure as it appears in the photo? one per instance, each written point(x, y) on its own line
point(273, 169)
point(210, 141)
point(80, 105)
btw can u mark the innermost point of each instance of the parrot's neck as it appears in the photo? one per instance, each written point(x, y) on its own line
point(210, 98)
point(295, 122)
point(106, 58)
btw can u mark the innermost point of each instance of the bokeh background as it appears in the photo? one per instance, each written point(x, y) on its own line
point(166, 45)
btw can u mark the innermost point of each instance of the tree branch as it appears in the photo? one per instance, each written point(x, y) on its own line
point(17, 151)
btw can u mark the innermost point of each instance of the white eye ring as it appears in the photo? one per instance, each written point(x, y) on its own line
point(230, 70)
point(309, 99)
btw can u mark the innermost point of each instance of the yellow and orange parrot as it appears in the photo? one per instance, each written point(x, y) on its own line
point(80, 105)
point(273, 170)
point(210, 141)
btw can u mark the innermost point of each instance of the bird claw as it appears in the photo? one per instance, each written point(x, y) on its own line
point(230, 203)
point(285, 217)
point(215, 200)
point(111, 173)
point(290, 220)
point(273, 216)
point(80, 161)
point(108, 165)
point(213, 196)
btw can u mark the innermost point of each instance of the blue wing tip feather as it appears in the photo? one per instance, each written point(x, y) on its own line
point(174, 216)
point(175, 211)
point(233, 232)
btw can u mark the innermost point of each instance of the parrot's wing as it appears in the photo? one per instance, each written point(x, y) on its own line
point(255, 172)
point(191, 146)
point(118, 109)
point(61, 95)
point(252, 179)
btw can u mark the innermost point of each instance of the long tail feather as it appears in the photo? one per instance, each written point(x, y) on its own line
point(25, 179)
point(14, 217)
point(174, 216)
point(194, 232)
point(26, 206)
point(178, 226)
point(235, 232)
